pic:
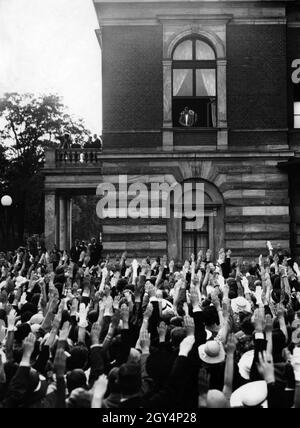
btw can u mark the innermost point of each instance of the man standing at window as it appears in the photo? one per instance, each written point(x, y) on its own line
point(188, 118)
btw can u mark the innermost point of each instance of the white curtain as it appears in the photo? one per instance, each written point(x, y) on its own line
point(206, 83)
point(214, 113)
point(179, 79)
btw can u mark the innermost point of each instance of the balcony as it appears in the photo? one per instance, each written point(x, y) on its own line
point(72, 158)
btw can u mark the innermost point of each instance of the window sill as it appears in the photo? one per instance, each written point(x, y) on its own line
point(194, 129)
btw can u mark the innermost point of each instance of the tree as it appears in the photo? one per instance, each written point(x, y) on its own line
point(28, 124)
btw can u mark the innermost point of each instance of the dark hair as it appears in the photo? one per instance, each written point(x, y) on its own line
point(76, 379)
point(210, 316)
point(159, 366)
point(279, 343)
point(129, 378)
point(78, 358)
point(246, 323)
point(113, 385)
point(26, 316)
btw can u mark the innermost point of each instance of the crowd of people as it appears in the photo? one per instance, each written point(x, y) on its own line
point(78, 331)
point(66, 142)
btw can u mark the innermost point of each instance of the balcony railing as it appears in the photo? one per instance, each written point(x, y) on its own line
point(72, 157)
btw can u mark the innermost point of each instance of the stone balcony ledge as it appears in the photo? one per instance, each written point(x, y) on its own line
point(74, 157)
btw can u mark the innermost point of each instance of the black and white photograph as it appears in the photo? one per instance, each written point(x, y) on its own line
point(149, 207)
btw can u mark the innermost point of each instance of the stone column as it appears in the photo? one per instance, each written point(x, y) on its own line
point(50, 219)
point(222, 104)
point(69, 223)
point(63, 226)
point(167, 91)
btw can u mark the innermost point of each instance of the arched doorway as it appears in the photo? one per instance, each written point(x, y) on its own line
point(184, 238)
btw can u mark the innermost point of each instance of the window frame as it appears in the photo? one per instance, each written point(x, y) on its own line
point(296, 115)
point(195, 65)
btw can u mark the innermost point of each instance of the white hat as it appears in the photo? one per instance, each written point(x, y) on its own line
point(37, 318)
point(212, 352)
point(216, 399)
point(245, 364)
point(252, 394)
point(208, 334)
point(35, 328)
point(240, 304)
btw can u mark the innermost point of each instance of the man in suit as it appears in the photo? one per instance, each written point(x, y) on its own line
point(188, 118)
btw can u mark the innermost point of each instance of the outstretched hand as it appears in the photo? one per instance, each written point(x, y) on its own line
point(186, 345)
point(60, 362)
point(266, 367)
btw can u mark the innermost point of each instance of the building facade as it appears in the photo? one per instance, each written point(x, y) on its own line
point(234, 65)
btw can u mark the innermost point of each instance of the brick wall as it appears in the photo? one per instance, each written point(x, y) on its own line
point(293, 89)
point(257, 76)
point(132, 78)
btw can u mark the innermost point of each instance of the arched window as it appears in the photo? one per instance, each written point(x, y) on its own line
point(194, 84)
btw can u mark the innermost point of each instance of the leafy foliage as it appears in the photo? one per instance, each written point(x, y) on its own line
point(28, 124)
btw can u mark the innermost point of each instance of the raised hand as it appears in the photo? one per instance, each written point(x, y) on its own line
point(64, 332)
point(28, 345)
point(2, 371)
point(268, 324)
point(231, 344)
point(145, 267)
point(266, 367)
point(144, 340)
point(186, 345)
point(189, 325)
point(99, 390)
point(150, 288)
point(116, 302)
point(108, 306)
point(295, 361)
point(95, 333)
point(194, 296)
point(60, 363)
point(128, 296)
point(74, 307)
point(280, 310)
point(115, 319)
point(259, 320)
point(148, 312)
point(11, 320)
point(83, 312)
point(124, 313)
point(162, 331)
point(53, 303)
point(2, 331)
point(208, 255)
point(296, 268)
point(171, 266)
point(215, 299)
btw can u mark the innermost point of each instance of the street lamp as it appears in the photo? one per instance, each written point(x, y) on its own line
point(6, 202)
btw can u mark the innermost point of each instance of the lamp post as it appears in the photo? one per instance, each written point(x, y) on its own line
point(6, 202)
